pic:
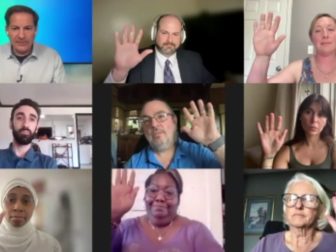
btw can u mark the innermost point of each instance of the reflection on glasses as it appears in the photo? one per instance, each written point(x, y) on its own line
point(307, 200)
point(159, 117)
point(169, 192)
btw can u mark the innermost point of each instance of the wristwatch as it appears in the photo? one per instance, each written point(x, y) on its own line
point(216, 144)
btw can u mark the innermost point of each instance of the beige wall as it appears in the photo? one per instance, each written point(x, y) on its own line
point(259, 99)
point(110, 16)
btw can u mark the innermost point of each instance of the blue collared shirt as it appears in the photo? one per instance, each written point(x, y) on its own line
point(187, 155)
point(32, 159)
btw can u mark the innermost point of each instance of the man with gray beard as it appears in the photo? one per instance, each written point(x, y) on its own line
point(24, 122)
point(166, 150)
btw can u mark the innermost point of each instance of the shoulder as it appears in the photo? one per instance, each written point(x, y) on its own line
point(47, 241)
point(270, 242)
point(137, 159)
point(45, 50)
point(290, 74)
point(47, 161)
point(188, 53)
point(328, 241)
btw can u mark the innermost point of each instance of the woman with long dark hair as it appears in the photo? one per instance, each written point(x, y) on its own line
point(313, 143)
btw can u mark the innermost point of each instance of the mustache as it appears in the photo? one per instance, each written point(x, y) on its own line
point(168, 43)
point(23, 129)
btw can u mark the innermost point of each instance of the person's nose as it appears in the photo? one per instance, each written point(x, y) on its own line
point(315, 117)
point(160, 196)
point(18, 205)
point(154, 122)
point(299, 203)
point(325, 33)
point(21, 33)
point(170, 38)
point(26, 123)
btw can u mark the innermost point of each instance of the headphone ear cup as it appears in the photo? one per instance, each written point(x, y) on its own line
point(183, 36)
point(153, 32)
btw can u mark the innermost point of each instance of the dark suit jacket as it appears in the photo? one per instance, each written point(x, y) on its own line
point(190, 64)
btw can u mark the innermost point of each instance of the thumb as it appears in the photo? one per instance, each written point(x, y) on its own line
point(186, 129)
point(280, 39)
point(145, 53)
point(332, 222)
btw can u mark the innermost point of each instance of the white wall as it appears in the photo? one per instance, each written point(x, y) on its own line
point(78, 185)
point(201, 198)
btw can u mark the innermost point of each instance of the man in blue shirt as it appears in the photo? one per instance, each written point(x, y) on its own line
point(24, 121)
point(167, 150)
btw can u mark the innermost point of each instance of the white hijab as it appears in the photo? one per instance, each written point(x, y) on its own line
point(26, 238)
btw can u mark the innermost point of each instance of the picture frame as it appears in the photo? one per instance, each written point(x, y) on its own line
point(258, 210)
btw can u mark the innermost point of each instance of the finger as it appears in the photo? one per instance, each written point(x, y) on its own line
point(280, 39)
point(332, 222)
point(275, 25)
point(333, 200)
point(255, 26)
point(145, 53)
point(267, 123)
point(125, 34)
point(272, 119)
point(262, 21)
point(201, 107)
point(194, 109)
point(279, 124)
point(260, 129)
point(134, 193)
point(283, 136)
point(131, 34)
point(2, 215)
point(269, 20)
point(187, 114)
point(131, 179)
point(211, 111)
point(139, 37)
point(118, 177)
point(123, 177)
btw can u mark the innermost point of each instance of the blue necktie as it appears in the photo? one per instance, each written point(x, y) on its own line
point(167, 73)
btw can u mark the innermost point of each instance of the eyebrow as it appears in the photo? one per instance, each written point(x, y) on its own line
point(160, 111)
point(22, 114)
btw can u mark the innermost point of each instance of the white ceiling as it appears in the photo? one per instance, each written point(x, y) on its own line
point(47, 94)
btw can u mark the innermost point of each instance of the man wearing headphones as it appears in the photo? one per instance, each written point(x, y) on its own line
point(165, 62)
point(22, 60)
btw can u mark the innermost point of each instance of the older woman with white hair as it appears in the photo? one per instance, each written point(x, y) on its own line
point(17, 233)
point(306, 208)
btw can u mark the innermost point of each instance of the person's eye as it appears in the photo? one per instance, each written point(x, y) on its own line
point(170, 192)
point(153, 190)
point(161, 116)
point(317, 31)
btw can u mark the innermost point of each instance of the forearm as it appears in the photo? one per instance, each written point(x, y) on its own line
point(259, 69)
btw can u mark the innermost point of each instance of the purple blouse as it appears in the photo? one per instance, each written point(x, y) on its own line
point(276, 243)
point(193, 237)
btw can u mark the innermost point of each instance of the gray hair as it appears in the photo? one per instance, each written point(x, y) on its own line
point(325, 206)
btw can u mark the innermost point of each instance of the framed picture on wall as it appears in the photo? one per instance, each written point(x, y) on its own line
point(258, 210)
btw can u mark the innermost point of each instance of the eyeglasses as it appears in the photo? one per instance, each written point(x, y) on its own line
point(169, 192)
point(159, 117)
point(307, 200)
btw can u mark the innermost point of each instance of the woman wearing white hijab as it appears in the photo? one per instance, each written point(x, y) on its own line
point(17, 234)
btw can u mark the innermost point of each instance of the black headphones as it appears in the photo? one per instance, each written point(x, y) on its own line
point(156, 24)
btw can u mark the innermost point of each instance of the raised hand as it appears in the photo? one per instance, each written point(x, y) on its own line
point(331, 219)
point(203, 127)
point(264, 40)
point(2, 215)
point(123, 194)
point(273, 137)
point(127, 53)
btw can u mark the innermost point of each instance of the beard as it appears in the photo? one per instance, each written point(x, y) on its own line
point(160, 145)
point(23, 139)
point(167, 49)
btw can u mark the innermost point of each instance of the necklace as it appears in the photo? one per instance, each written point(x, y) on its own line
point(160, 235)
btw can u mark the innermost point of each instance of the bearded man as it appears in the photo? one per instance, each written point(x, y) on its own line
point(24, 122)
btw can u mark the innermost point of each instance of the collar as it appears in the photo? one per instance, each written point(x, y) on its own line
point(29, 155)
point(10, 54)
point(161, 59)
point(151, 157)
